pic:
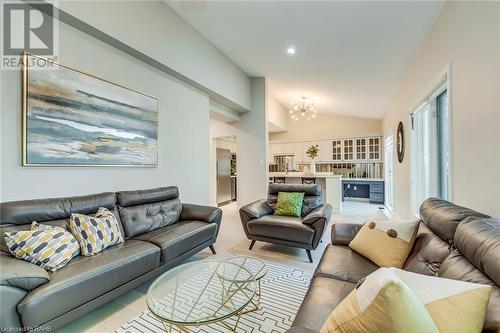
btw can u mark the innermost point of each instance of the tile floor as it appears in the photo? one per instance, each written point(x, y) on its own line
point(231, 239)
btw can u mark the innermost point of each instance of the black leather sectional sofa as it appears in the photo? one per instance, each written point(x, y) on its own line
point(453, 242)
point(159, 233)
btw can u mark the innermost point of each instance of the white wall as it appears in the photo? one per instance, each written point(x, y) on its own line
point(251, 147)
point(277, 116)
point(467, 35)
point(156, 30)
point(327, 126)
point(183, 131)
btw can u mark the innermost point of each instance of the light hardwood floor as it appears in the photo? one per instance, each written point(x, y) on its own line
point(231, 240)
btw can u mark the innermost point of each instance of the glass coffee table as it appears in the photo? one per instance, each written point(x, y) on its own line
point(258, 270)
point(202, 293)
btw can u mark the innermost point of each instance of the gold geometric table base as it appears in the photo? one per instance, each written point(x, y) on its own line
point(256, 306)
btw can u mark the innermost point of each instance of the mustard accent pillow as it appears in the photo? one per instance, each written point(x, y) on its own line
point(48, 247)
point(393, 300)
point(95, 233)
point(386, 243)
point(454, 305)
point(381, 303)
point(289, 204)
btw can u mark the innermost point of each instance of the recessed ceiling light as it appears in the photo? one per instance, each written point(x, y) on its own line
point(290, 50)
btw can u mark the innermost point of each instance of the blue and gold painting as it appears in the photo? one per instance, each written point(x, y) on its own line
point(75, 119)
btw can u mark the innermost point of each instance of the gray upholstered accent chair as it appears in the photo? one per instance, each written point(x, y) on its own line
point(260, 223)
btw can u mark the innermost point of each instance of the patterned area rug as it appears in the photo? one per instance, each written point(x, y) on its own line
point(283, 289)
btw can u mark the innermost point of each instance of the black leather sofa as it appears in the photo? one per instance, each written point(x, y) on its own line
point(453, 242)
point(305, 232)
point(159, 232)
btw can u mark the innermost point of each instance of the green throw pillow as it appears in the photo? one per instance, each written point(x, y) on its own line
point(289, 204)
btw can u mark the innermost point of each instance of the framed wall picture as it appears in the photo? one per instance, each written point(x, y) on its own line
point(72, 118)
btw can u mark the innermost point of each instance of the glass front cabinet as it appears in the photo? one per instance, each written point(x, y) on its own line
point(357, 149)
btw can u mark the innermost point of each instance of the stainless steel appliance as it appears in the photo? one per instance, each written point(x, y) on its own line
point(223, 169)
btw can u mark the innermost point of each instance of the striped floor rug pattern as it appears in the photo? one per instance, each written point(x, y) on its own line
point(283, 289)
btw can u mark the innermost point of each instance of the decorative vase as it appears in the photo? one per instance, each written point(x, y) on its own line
point(313, 167)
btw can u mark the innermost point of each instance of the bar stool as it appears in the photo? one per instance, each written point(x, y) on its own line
point(308, 180)
point(280, 180)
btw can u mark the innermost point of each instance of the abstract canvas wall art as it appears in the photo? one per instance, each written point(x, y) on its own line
point(76, 119)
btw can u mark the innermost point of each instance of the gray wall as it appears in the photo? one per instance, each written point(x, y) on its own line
point(183, 131)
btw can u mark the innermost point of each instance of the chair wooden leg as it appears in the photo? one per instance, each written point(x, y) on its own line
point(309, 256)
point(251, 245)
point(212, 248)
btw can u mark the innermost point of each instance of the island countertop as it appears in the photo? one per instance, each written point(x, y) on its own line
point(301, 174)
point(320, 175)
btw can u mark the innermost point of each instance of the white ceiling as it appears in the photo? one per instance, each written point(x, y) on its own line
point(350, 56)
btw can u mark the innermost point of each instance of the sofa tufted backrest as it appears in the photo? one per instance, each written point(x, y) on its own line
point(18, 215)
point(443, 217)
point(313, 197)
point(146, 210)
point(434, 241)
point(477, 259)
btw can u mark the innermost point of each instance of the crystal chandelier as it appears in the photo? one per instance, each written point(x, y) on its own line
point(303, 109)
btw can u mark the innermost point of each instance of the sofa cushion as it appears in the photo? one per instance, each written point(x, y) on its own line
point(341, 262)
point(443, 217)
point(140, 197)
point(323, 296)
point(177, 239)
point(85, 278)
point(477, 260)
point(140, 219)
point(18, 215)
point(428, 252)
point(281, 227)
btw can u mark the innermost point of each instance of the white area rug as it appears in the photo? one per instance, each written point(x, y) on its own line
point(283, 289)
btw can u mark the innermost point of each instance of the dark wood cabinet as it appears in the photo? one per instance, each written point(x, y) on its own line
point(373, 190)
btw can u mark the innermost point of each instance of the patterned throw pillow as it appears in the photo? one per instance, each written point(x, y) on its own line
point(386, 243)
point(289, 204)
point(95, 233)
point(48, 247)
point(380, 303)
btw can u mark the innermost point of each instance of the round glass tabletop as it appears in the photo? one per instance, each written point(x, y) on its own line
point(254, 265)
point(201, 292)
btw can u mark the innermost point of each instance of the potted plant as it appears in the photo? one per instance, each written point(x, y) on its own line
point(312, 152)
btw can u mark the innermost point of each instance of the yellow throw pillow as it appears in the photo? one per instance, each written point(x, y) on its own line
point(454, 305)
point(48, 247)
point(381, 303)
point(392, 300)
point(386, 243)
point(95, 233)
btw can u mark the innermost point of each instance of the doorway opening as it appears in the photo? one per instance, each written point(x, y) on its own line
point(225, 170)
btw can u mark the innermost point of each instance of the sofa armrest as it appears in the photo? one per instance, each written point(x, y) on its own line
point(21, 274)
point(200, 213)
point(256, 209)
point(17, 278)
point(322, 212)
point(344, 233)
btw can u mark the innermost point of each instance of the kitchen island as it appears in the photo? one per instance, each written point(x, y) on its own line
point(330, 184)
